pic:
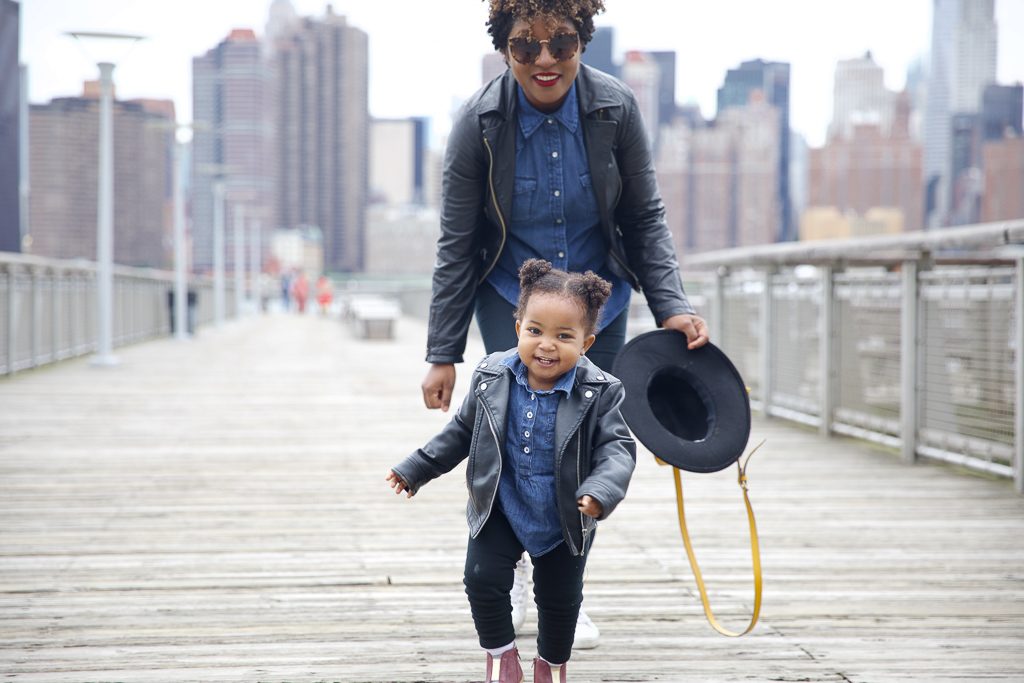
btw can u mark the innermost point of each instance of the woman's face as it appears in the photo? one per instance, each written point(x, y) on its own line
point(546, 81)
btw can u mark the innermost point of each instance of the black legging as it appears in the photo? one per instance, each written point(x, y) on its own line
point(496, 320)
point(557, 586)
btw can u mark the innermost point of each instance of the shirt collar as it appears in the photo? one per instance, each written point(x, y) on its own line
point(530, 117)
point(564, 383)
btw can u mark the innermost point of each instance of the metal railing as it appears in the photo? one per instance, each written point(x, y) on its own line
point(48, 308)
point(910, 340)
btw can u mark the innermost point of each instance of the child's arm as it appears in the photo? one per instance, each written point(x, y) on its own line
point(440, 455)
point(612, 458)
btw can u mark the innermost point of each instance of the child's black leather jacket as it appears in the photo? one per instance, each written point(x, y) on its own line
point(594, 453)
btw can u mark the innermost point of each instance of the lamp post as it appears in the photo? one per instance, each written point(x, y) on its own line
point(256, 264)
point(218, 251)
point(105, 198)
point(239, 236)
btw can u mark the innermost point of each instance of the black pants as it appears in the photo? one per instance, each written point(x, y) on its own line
point(557, 585)
point(494, 317)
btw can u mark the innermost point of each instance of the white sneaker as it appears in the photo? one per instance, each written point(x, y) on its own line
point(587, 633)
point(520, 594)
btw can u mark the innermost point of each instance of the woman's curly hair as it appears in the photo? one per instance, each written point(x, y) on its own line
point(587, 290)
point(504, 13)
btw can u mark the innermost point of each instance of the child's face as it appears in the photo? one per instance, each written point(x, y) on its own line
point(552, 337)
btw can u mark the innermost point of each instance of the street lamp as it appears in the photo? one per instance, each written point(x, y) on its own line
point(105, 44)
point(239, 259)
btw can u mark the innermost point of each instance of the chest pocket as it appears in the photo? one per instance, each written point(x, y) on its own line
point(524, 199)
point(588, 213)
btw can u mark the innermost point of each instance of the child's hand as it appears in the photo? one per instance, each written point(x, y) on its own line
point(589, 507)
point(397, 484)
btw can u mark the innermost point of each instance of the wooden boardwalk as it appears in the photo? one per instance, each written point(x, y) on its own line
point(215, 511)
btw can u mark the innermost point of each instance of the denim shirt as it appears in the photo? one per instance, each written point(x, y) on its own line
point(554, 209)
point(526, 491)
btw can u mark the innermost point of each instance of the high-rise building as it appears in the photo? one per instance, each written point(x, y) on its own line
point(64, 162)
point(1004, 179)
point(398, 160)
point(771, 79)
point(598, 53)
point(666, 85)
point(860, 96)
point(10, 128)
point(1001, 110)
point(718, 182)
point(963, 62)
point(491, 66)
point(230, 144)
point(322, 124)
point(642, 74)
point(870, 169)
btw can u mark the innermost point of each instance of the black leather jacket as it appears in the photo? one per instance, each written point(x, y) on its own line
point(595, 455)
point(479, 173)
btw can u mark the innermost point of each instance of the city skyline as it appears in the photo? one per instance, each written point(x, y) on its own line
point(433, 88)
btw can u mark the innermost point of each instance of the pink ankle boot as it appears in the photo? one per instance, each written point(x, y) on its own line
point(542, 672)
point(506, 669)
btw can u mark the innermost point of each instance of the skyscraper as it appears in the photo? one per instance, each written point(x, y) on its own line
point(860, 96)
point(322, 124)
point(230, 143)
point(643, 75)
point(599, 51)
point(491, 66)
point(666, 85)
point(65, 157)
point(771, 79)
point(1001, 107)
point(963, 62)
point(398, 159)
point(10, 127)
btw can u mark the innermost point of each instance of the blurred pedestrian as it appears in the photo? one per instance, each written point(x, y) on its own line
point(300, 291)
point(324, 293)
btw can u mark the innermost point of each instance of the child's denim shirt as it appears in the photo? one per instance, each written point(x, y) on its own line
point(526, 492)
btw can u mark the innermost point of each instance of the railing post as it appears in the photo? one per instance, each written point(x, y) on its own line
point(1018, 362)
point(718, 308)
point(909, 328)
point(11, 335)
point(55, 287)
point(36, 307)
point(767, 341)
point(826, 350)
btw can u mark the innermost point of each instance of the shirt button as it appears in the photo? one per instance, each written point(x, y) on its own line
point(561, 254)
point(554, 155)
point(532, 397)
point(526, 450)
point(527, 433)
point(558, 193)
point(588, 393)
point(483, 365)
point(550, 121)
point(529, 414)
point(558, 221)
point(483, 385)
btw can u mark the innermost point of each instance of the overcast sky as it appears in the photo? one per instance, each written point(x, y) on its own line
point(425, 54)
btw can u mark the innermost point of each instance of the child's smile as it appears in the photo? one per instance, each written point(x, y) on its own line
point(552, 337)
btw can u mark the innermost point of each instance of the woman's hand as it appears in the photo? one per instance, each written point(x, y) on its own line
point(437, 386)
point(589, 506)
point(397, 484)
point(693, 326)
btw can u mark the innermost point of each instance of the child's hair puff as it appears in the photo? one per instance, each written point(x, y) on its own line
point(588, 290)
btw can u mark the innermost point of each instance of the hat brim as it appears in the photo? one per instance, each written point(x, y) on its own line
point(690, 408)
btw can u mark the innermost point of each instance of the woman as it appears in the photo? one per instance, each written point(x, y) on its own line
point(549, 160)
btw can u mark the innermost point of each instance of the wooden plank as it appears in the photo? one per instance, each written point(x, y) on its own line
point(216, 511)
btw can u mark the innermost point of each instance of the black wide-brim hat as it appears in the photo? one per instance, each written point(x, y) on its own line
point(688, 407)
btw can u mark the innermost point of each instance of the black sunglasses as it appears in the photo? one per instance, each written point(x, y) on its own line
point(562, 47)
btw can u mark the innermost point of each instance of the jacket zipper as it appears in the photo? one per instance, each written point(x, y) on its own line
point(497, 207)
point(497, 480)
point(579, 482)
